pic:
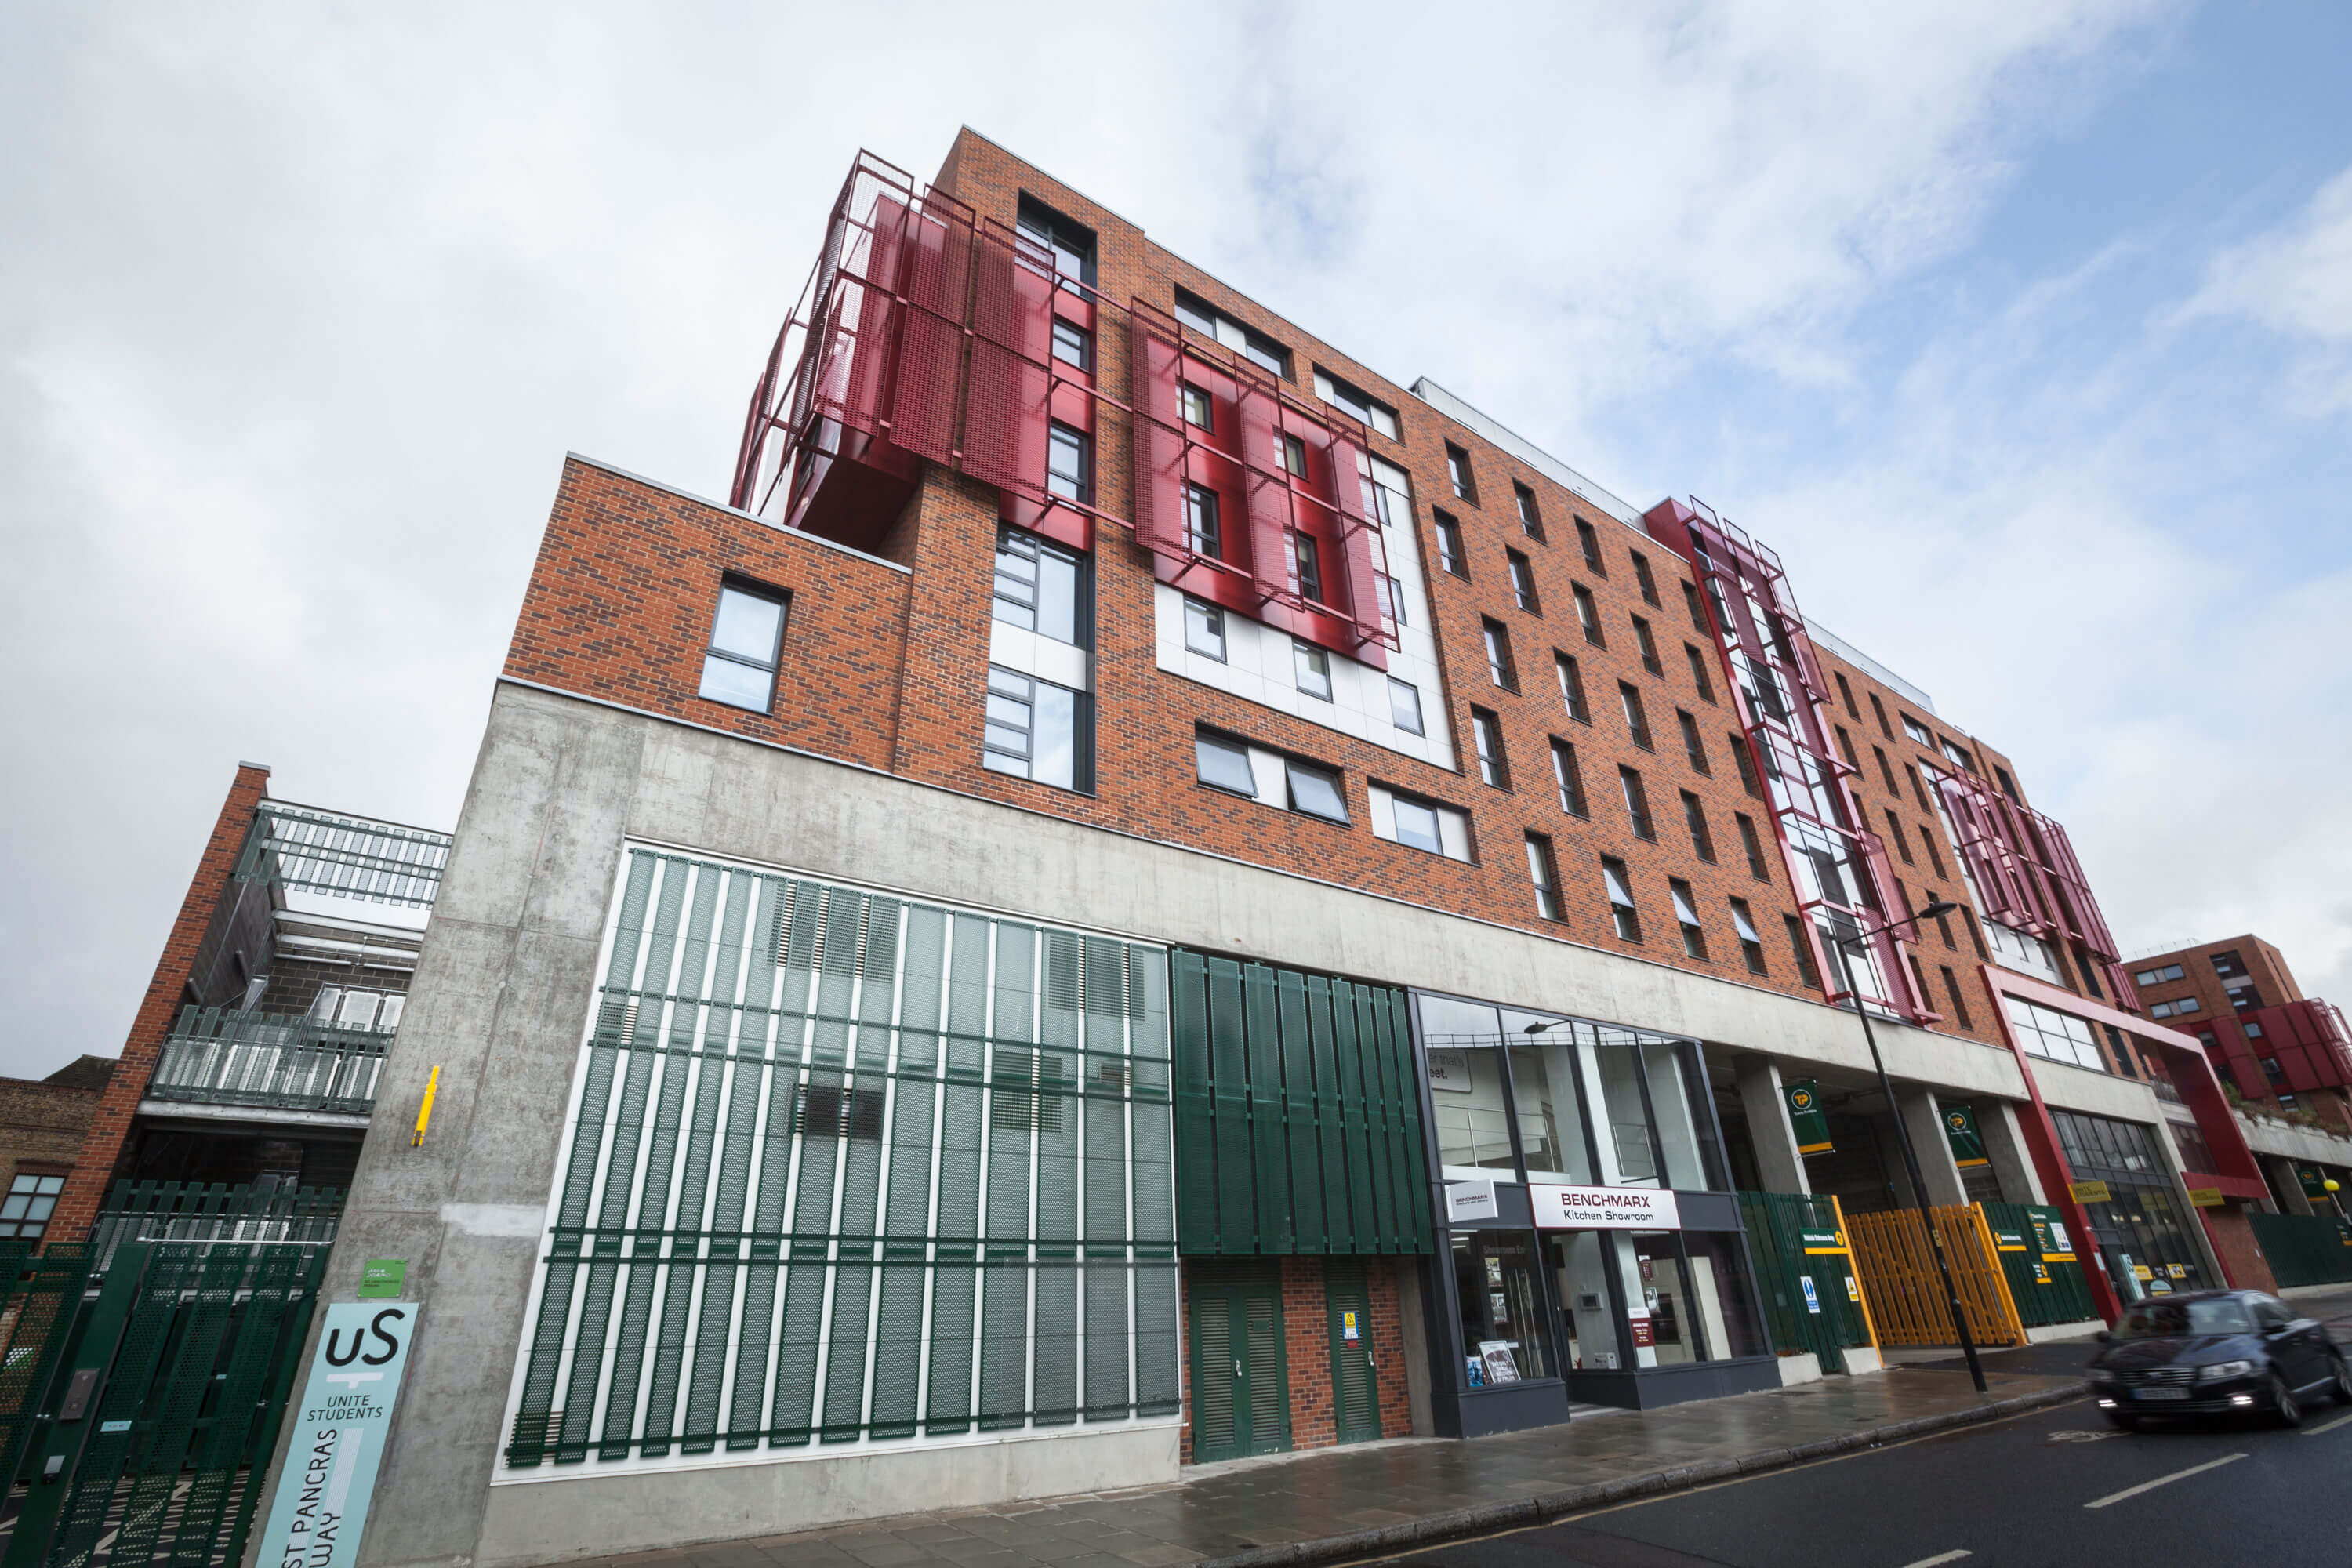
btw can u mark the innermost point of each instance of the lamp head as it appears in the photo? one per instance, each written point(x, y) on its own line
point(1940, 907)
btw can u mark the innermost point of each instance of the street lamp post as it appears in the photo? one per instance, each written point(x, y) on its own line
point(1903, 1136)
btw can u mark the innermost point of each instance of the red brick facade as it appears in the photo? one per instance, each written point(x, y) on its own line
point(78, 1204)
point(2217, 1014)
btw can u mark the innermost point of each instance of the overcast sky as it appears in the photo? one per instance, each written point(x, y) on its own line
point(2023, 332)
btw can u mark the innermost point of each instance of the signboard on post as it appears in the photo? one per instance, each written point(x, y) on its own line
point(339, 1427)
point(1960, 1130)
point(1806, 1118)
point(1604, 1208)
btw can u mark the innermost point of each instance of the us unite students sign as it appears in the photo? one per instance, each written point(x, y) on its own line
point(338, 1436)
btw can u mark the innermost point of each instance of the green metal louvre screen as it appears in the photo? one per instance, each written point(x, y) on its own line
point(1297, 1115)
point(1829, 1321)
point(849, 1168)
point(2304, 1249)
point(2047, 1285)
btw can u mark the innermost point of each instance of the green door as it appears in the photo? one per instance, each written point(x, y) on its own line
point(1355, 1386)
point(1241, 1384)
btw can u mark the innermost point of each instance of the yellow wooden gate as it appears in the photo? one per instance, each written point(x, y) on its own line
point(1906, 1298)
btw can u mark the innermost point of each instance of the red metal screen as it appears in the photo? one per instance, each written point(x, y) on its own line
point(2027, 875)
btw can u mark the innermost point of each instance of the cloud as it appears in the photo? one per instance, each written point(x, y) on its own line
point(2297, 281)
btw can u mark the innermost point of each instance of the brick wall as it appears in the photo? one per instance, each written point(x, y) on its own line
point(1306, 1350)
point(42, 1125)
point(78, 1204)
point(2233, 1238)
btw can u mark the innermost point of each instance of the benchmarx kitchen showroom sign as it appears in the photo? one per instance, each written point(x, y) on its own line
point(339, 1430)
point(1604, 1208)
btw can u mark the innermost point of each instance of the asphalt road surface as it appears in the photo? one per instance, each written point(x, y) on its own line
point(2058, 1487)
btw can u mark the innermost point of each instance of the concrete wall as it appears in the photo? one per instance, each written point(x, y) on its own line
point(502, 993)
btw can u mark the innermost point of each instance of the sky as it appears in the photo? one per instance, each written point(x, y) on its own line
point(2023, 332)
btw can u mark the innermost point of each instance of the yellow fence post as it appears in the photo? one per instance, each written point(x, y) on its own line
point(1853, 1266)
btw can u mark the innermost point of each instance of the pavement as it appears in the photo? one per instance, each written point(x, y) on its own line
point(1381, 1499)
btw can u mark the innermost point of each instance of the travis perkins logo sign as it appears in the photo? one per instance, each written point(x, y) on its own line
point(339, 1436)
point(1604, 1208)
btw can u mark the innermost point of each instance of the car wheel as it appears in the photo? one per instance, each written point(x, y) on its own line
point(2284, 1408)
point(2117, 1418)
point(2341, 1384)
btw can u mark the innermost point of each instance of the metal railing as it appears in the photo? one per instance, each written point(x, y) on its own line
point(217, 1056)
point(215, 1216)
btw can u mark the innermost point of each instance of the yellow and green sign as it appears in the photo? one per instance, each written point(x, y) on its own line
point(1819, 1242)
point(2089, 1192)
point(1806, 1118)
point(1960, 1129)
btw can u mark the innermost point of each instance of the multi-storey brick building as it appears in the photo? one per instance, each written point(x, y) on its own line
point(1139, 890)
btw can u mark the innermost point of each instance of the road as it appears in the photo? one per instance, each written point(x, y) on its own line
point(2059, 1487)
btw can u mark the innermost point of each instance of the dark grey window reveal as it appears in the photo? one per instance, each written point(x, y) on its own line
point(1204, 629)
point(1404, 706)
point(1587, 615)
point(1294, 457)
point(1449, 546)
point(1037, 730)
point(1523, 582)
point(1251, 344)
point(1687, 916)
point(747, 638)
point(1313, 670)
point(1225, 765)
point(1069, 465)
point(1198, 409)
point(1589, 543)
point(1698, 671)
point(1457, 472)
point(1487, 732)
point(1530, 517)
point(1073, 345)
point(1073, 244)
point(1637, 721)
point(1649, 647)
point(1751, 943)
point(1310, 566)
point(1694, 818)
point(1693, 747)
point(1499, 667)
point(1568, 777)
point(1357, 402)
point(1314, 791)
point(1620, 899)
point(1544, 872)
point(1648, 583)
point(1042, 587)
point(1637, 802)
point(1203, 530)
point(1572, 687)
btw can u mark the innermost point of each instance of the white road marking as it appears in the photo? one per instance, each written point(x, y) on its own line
point(1952, 1556)
point(2165, 1480)
point(2326, 1426)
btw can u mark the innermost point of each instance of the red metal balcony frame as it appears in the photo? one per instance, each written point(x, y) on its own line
point(2027, 875)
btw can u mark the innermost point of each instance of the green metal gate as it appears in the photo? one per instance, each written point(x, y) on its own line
point(1241, 1381)
point(2304, 1248)
point(1355, 1382)
point(2045, 1276)
point(1813, 1297)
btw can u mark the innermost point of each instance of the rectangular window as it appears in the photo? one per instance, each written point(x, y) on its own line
point(1845, 693)
point(1041, 587)
point(1223, 765)
point(2060, 1036)
point(1499, 667)
point(1699, 676)
point(1879, 709)
point(1698, 608)
point(1649, 647)
point(32, 1198)
point(1587, 615)
point(1294, 457)
point(1420, 823)
point(1687, 916)
point(1589, 543)
point(1920, 790)
point(1637, 723)
point(1530, 519)
point(1356, 401)
point(1694, 818)
point(1927, 842)
point(1392, 601)
point(747, 639)
point(1248, 342)
point(1959, 753)
point(1751, 944)
point(1523, 582)
point(1693, 747)
point(1649, 585)
point(1309, 557)
point(1959, 1003)
point(1073, 345)
point(1943, 922)
point(1404, 706)
point(1637, 802)
point(1313, 668)
point(1487, 732)
point(1620, 899)
point(1544, 872)
point(1036, 730)
point(2008, 787)
point(1572, 687)
point(1203, 528)
point(1753, 845)
point(1902, 840)
point(2226, 963)
point(1316, 792)
point(1198, 409)
point(1918, 732)
point(1803, 949)
point(1754, 786)
point(1449, 546)
point(1457, 473)
point(1072, 244)
point(1845, 747)
point(1070, 464)
point(1568, 777)
point(1885, 772)
point(1204, 629)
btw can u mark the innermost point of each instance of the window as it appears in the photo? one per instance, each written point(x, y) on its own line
point(2253, 1030)
point(2007, 786)
point(2060, 1036)
point(1313, 667)
point(1620, 899)
point(1568, 777)
point(1649, 647)
point(747, 638)
point(1919, 981)
point(1589, 543)
point(1363, 404)
point(1316, 792)
point(1416, 824)
point(1486, 732)
point(1902, 841)
point(1753, 845)
point(1572, 687)
point(1204, 629)
point(1694, 818)
point(1404, 706)
point(1637, 723)
point(1845, 748)
point(1693, 747)
point(1916, 731)
point(1698, 671)
point(1294, 457)
point(1449, 546)
point(1943, 922)
point(1886, 770)
point(1637, 802)
point(1457, 473)
point(2159, 976)
point(1040, 587)
point(1927, 842)
point(1975, 928)
point(1649, 585)
point(1073, 244)
point(1544, 872)
point(1198, 409)
point(1531, 520)
point(1919, 790)
point(1069, 465)
point(2243, 996)
point(1802, 946)
point(1687, 916)
point(1845, 693)
point(1392, 601)
point(1073, 345)
point(1959, 1003)
point(1523, 582)
point(32, 1198)
point(1035, 730)
point(1248, 342)
point(1879, 709)
point(1588, 614)
point(1698, 608)
point(1499, 667)
point(1309, 558)
point(1751, 945)
point(1754, 785)
point(2227, 965)
point(1202, 531)
point(1223, 765)
point(1959, 753)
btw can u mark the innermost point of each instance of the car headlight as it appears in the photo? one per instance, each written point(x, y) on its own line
point(2221, 1369)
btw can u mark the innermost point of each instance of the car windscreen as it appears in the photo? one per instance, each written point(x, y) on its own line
point(2181, 1319)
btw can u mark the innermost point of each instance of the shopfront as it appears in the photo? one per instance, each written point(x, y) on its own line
point(2139, 1225)
point(1594, 1251)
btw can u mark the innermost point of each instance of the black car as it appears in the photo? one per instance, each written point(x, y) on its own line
point(2216, 1353)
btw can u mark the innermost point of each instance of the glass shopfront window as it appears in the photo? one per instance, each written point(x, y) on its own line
point(1504, 1339)
point(1469, 1115)
point(1551, 1121)
point(2141, 1231)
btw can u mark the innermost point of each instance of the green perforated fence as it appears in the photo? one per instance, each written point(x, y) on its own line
point(2304, 1249)
point(1297, 1114)
point(2045, 1276)
point(846, 1167)
point(1799, 1242)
